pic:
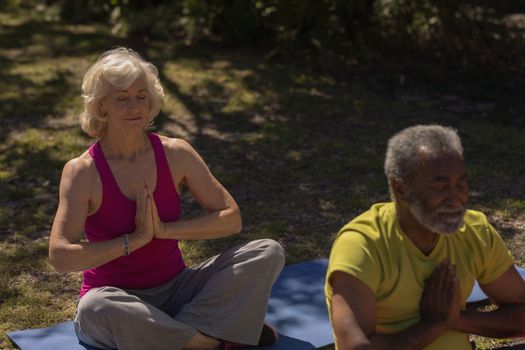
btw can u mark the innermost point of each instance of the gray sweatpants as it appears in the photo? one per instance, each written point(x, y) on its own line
point(224, 297)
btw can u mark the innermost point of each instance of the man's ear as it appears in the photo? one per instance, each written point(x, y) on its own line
point(399, 190)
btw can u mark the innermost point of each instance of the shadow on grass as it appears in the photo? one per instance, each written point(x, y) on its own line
point(29, 198)
point(302, 156)
point(299, 142)
point(310, 154)
point(33, 38)
point(32, 92)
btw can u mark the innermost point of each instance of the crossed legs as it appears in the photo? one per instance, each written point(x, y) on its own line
point(222, 298)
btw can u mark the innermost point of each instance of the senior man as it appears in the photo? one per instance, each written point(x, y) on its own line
point(400, 273)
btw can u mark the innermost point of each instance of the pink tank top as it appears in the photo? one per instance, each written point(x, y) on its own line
point(147, 267)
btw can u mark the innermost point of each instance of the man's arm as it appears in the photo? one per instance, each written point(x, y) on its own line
point(354, 313)
point(508, 320)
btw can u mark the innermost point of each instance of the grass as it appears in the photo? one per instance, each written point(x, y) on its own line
point(298, 144)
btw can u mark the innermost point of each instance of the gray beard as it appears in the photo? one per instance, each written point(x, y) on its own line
point(430, 218)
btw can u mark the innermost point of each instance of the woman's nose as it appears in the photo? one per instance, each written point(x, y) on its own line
point(133, 103)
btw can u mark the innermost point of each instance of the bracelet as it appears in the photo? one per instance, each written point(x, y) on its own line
point(126, 247)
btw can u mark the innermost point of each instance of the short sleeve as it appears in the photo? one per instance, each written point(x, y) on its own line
point(497, 258)
point(353, 253)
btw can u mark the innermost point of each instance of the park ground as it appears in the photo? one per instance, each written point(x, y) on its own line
point(298, 141)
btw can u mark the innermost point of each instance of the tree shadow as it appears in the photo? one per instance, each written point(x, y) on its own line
point(32, 94)
point(319, 140)
point(303, 158)
point(32, 39)
point(30, 197)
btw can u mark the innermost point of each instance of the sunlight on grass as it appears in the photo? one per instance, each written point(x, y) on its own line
point(36, 156)
point(59, 145)
point(240, 102)
point(216, 83)
point(40, 73)
point(301, 149)
point(511, 207)
point(28, 287)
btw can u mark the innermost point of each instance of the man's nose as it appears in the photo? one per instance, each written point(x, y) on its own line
point(457, 196)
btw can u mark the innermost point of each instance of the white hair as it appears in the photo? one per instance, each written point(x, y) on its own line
point(119, 67)
point(402, 154)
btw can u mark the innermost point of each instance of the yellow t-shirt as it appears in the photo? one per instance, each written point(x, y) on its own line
point(373, 248)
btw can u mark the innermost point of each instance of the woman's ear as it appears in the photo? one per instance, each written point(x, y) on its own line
point(102, 108)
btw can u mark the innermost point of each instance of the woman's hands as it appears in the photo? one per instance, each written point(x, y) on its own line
point(147, 220)
point(144, 228)
point(159, 227)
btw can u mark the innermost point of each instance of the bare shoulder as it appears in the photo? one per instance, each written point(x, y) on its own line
point(177, 149)
point(79, 171)
point(175, 144)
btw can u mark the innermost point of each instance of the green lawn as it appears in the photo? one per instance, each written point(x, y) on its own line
point(299, 144)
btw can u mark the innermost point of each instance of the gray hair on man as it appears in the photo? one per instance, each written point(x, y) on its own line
point(403, 148)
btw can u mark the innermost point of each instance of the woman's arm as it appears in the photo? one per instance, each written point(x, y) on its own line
point(223, 216)
point(67, 252)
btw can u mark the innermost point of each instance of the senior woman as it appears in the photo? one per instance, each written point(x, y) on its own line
point(123, 195)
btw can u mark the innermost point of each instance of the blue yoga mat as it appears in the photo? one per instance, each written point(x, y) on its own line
point(62, 337)
point(58, 337)
point(296, 308)
point(297, 305)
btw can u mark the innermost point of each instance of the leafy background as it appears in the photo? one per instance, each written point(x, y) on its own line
point(290, 103)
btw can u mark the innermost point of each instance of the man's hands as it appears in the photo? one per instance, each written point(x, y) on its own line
point(147, 221)
point(441, 302)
